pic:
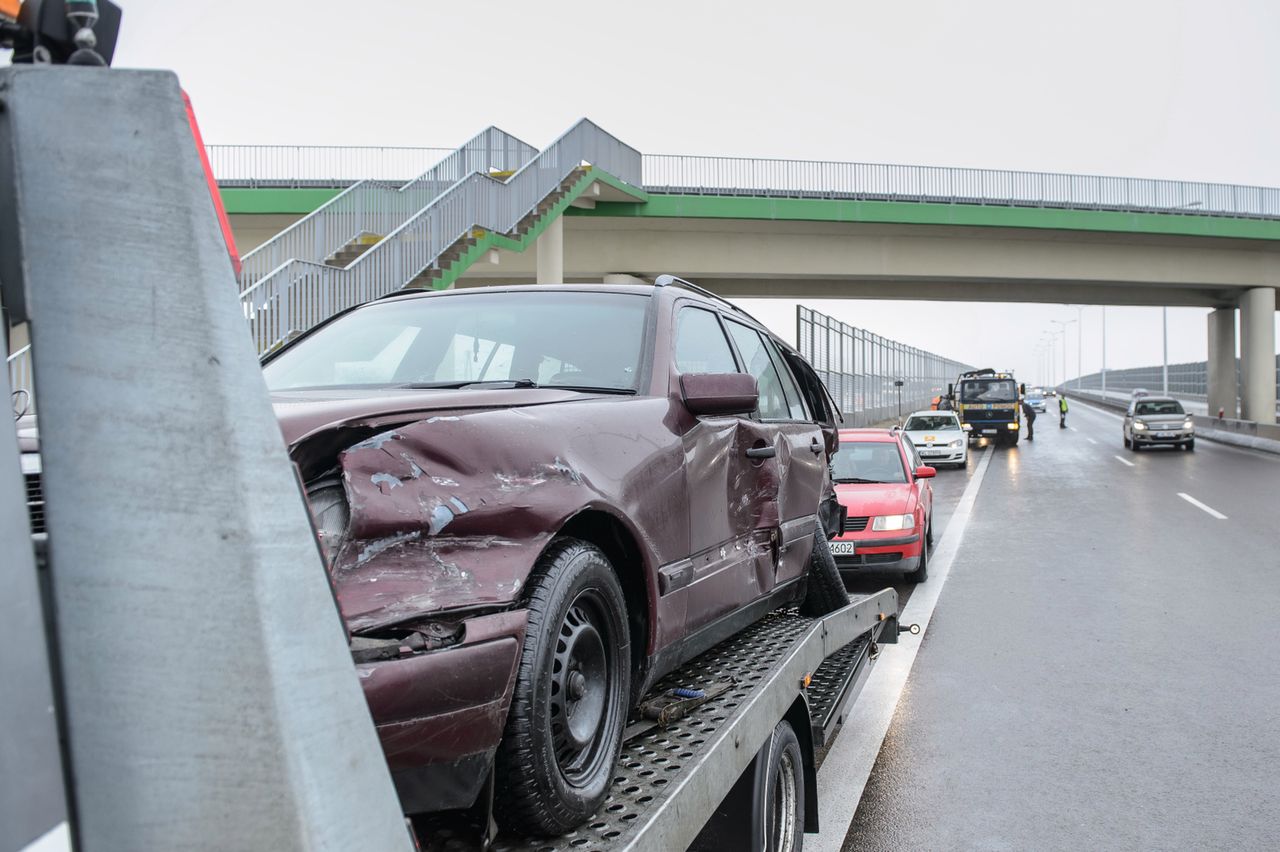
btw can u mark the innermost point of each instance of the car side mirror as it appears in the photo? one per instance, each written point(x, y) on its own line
point(1022, 389)
point(968, 427)
point(719, 393)
point(926, 472)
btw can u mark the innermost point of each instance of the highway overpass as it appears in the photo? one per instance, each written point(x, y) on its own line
point(801, 229)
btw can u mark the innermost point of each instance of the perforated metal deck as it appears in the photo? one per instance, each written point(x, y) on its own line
point(666, 776)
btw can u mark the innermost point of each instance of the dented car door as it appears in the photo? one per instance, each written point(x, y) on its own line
point(798, 467)
point(733, 498)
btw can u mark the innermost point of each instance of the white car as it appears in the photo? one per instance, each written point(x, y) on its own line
point(938, 437)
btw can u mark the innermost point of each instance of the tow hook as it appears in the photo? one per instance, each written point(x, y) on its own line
point(913, 629)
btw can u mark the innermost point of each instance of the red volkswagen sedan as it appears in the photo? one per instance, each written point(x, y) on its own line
point(882, 483)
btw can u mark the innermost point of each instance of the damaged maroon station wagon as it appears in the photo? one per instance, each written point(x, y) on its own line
point(536, 501)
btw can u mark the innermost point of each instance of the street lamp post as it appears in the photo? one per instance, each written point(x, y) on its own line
point(1104, 350)
point(1079, 345)
point(1164, 370)
point(1064, 324)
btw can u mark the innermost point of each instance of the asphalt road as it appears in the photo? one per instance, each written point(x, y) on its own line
point(1100, 671)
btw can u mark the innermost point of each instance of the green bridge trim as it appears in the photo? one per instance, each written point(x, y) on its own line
point(927, 213)
point(658, 206)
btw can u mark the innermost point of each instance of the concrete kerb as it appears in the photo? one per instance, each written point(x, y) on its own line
point(1240, 433)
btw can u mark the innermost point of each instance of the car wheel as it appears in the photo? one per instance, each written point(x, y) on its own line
point(824, 590)
point(571, 695)
point(929, 534)
point(1133, 444)
point(781, 810)
point(1190, 445)
point(922, 572)
point(1126, 442)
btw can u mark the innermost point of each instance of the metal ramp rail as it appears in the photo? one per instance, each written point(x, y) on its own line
point(669, 780)
point(299, 294)
point(379, 207)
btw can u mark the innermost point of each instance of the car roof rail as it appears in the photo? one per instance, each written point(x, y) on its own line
point(666, 280)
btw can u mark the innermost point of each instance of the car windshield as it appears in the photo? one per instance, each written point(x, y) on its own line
point(1159, 406)
point(989, 390)
point(543, 338)
point(931, 423)
point(868, 461)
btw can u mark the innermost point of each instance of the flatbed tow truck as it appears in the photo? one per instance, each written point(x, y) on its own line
point(710, 779)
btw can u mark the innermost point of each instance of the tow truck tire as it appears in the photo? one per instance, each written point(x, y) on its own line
point(571, 696)
point(780, 811)
point(922, 572)
point(824, 590)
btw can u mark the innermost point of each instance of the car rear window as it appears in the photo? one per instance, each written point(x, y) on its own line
point(931, 423)
point(1159, 406)
point(566, 338)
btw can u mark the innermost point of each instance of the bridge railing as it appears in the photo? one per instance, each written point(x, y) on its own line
point(302, 166)
point(743, 176)
point(279, 165)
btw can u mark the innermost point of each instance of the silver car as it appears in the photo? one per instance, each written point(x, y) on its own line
point(1158, 420)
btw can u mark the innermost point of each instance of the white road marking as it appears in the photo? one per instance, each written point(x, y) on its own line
point(848, 765)
point(1209, 509)
point(1090, 440)
point(1124, 461)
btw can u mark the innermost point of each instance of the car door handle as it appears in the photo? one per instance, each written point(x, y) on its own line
point(815, 447)
point(761, 453)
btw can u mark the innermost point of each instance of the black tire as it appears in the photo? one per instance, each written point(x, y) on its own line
point(922, 571)
point(928, 540)
point(824, 590)
point(1126, 441)
point(1133, 445)
point(782, 808)
point(550, 775)
point(1190, 445)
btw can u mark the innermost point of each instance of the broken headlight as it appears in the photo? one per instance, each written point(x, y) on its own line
point(330, 514)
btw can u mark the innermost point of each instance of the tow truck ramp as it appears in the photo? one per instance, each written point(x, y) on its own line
point(670, 781)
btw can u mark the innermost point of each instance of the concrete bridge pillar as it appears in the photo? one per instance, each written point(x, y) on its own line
point(1258, 355)
point(550, 251)
point(1221, 391)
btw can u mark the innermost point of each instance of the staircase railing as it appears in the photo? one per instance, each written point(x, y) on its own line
point(378, 207)
point(299, 294)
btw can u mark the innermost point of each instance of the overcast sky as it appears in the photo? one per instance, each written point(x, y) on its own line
point(1148, 88)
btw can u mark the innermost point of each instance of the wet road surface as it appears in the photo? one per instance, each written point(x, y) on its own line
point(1100, 671)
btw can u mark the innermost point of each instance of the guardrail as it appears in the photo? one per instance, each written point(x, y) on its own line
point(860, 368)
point(300, 294)
point(251, 165)
point(377, 207)
point(300, 166)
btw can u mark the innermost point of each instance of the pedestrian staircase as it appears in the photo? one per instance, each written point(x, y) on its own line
point(429, 249)
point(352, 221)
